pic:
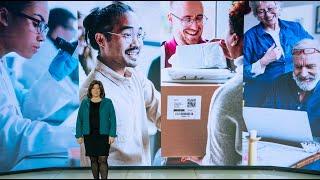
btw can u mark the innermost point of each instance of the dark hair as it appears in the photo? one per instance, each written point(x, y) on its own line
point(59, 17)
point(102, 20)
point(94, 82)
point(236, 16)
point(16, 6)
point(79, 15)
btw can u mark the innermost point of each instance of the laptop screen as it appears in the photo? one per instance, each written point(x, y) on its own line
point(280, 124)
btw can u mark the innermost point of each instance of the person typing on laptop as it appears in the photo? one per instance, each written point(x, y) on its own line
point(300, 89)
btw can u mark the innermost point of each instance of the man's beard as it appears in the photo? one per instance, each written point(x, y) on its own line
point(307, 86)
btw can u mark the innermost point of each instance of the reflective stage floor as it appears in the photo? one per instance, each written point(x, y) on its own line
point(164, 174)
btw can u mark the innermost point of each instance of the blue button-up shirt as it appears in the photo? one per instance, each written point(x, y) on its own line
point(284, 94)
point(256, 43)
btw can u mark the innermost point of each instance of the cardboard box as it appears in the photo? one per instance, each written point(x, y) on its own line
point(184, 113)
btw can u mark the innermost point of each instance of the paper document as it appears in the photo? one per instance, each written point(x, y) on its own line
point(274, 154)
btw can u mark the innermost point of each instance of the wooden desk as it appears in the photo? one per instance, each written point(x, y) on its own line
point(306, 161)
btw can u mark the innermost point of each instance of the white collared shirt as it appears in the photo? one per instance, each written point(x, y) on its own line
point(135, 101)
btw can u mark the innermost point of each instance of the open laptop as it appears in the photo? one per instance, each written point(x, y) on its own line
point(278, 124)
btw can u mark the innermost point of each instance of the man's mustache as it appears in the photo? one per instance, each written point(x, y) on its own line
point(132, 49)
point(310, 78)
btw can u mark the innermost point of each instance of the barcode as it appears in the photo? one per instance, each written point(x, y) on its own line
point(184, 114)
point(191, 103)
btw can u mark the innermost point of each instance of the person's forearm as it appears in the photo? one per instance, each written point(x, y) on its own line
point(154, 110)
point(258, 67)
point(153, 103)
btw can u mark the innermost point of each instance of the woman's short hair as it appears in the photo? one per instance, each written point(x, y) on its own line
point(94, 82)
point(254, 5)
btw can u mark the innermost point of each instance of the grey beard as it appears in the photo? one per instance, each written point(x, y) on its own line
point(306, 86)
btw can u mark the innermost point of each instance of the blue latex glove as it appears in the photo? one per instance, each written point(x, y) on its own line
point(62, 65)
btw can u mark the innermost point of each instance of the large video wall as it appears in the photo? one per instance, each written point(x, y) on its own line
point(191, 83)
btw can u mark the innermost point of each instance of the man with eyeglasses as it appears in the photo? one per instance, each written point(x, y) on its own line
point(60, 24)
point(267, 49)
point(116, 33)
point(187, 21)
point(300, 89)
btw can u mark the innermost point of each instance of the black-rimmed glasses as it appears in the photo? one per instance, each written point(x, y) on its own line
point(297, 52)
point(187, 21)
point(42, 27)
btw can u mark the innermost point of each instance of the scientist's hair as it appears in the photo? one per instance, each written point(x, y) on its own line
point(16, 6)
point(103, 20)
point(307, 43)
point(255, 4)
point(59, 17)
point(94, 82)
point(236, 17)
point(79, 15)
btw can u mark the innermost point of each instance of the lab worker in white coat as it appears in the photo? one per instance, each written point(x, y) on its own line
point(60, 23)
point(25, 142)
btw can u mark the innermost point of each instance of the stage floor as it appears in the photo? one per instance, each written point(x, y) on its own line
point(164, 174)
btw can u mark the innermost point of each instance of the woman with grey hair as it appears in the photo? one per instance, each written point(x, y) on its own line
point(267, 50)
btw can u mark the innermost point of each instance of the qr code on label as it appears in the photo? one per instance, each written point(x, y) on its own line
point(191, 103)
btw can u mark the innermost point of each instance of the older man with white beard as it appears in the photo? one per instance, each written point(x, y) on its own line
point(300, 89)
